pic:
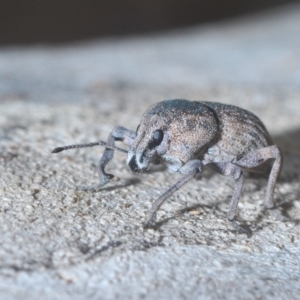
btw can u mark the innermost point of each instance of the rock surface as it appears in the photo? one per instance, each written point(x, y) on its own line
point(59, 243)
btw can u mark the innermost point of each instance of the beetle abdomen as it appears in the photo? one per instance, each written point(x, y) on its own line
point(240, 131)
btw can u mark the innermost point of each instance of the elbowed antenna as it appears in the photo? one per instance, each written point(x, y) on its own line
point(100, 143)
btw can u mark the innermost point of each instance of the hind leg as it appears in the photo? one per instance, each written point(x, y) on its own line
point(258, 157)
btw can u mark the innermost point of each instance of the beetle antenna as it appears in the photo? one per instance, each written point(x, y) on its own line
point(100, 143)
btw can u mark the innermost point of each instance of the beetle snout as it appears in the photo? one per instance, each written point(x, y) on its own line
point(137, 162)
point(132, 164)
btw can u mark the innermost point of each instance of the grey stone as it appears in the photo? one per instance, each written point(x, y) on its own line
point(59, 243)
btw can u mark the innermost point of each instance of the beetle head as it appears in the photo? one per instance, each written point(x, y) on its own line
point(174, 132)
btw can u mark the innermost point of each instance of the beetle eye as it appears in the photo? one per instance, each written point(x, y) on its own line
point(157, 138)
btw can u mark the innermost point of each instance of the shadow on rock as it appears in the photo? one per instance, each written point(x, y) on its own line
point(289, 143)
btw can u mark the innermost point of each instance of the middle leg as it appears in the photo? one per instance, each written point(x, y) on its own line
point(229, 169)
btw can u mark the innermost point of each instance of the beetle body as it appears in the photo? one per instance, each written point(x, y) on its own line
point(209, 131)
point(188, 136)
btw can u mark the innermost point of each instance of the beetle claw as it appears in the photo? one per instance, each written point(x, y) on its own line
point(150, 221)
point(278, 216)
point(241, 229)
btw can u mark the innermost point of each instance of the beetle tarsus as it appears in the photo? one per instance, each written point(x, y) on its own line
point(278, 216)
point(241, 229)
point(150, 221)
point(96, 187)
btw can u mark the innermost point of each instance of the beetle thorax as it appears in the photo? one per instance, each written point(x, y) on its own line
point(173, 133)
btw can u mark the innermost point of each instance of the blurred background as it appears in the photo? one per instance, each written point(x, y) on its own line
point(38, 21)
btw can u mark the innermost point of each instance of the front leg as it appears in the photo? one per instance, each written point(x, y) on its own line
point(191, 169)
point(119, 133)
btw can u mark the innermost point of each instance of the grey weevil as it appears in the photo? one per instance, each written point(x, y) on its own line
point(188, 136)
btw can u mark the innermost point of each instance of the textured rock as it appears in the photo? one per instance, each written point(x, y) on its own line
point(59, 243)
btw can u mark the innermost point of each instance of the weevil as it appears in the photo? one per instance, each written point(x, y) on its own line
point(188, 136)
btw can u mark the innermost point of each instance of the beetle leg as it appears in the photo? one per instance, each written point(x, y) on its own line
point(258, 157)
point(119, 133)
point(229, 169)
point(192, 169)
